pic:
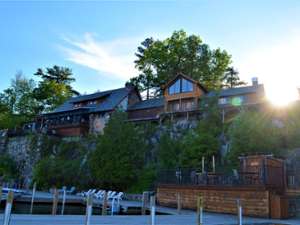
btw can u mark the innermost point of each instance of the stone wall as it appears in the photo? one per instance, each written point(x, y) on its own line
point(98, 122)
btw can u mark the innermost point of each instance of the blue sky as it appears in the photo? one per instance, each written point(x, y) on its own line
point(97, 39)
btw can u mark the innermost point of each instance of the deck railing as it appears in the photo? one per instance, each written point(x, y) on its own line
point(192, 177)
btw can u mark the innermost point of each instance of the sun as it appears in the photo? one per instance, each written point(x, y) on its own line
point(281, 95)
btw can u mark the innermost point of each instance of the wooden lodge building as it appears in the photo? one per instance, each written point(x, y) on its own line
point(180, 102)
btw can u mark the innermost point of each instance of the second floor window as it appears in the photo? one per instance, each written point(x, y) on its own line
point(180, 86)
point(175, 88)
point(186, 86)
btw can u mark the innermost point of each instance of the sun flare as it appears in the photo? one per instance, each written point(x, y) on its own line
point(281, 95)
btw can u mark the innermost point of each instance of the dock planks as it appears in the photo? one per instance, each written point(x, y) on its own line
point(209, 219)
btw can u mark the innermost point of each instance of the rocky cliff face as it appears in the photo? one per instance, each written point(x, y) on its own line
point(20, 149)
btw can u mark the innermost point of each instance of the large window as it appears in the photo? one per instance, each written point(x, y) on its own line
point(181, 85)
point(186, 86)
point(175, 88)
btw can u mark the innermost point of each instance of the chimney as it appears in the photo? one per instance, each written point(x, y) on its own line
point(129, 85)
point(254, 81)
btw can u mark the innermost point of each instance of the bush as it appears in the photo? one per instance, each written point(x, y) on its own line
point(8, 168)
point(64, 167)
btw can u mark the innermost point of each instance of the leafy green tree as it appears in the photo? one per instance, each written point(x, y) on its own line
point(231, 78)
point(17, 103)
point(8, 168)
point(287, 120)
point(119, 155)
point(46, 98)
point(24, 100)
point(64, 166)
point(56, 80)
point(204, 140)
point(60, 75)
point(159, 61)
point(18, 97)
point(5, 117)
point(169, 152)
point(253, 133)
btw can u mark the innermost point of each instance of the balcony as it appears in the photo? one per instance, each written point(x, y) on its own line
point(182, 106)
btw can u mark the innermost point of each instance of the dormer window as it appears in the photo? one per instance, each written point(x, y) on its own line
point(180, 86)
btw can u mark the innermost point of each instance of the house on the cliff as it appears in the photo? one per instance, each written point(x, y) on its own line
point(88, 113)
point(182, 96)
point(180, 102)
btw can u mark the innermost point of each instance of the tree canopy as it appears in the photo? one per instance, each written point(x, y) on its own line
point(231, 78)
point(204, 140)
point(26, 98)
point(119, 155)
point(56, 80)
point(254, 132)
point(160, 60)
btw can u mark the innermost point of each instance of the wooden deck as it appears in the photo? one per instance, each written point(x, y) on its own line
point(209, 219)
point(186, 217)
point(126, 206)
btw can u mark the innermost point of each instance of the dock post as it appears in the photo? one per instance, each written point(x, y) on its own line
point(200, 210)
point(144, 202)
point(202, 164)
point(55, 202)
point(32, 197)
point(104, 205)
point(178, 203)
point(112, 206)
point(89, 209)
point(63, 201)
point(152, 208)
point(0, 194)
point(213, 164)
point(239, 212)
point(9, 202)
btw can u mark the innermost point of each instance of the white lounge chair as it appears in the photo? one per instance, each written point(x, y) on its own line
point(111, 195)
point(99, 194)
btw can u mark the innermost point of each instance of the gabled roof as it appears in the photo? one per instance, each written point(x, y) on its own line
point(238, 91)
point(90, 97)
point(111, 99)
point(181, 75)
point(150, 103)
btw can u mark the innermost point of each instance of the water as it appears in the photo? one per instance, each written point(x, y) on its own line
point(46, 208)
point(70, 209)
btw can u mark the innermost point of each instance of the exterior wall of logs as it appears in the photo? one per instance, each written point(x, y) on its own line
point(256, 201)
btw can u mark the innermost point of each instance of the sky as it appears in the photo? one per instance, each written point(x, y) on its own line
point(98, 39)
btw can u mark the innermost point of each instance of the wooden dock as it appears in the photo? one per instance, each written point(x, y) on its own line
point(129, 207)
point(171, 217)
point(209, 219)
